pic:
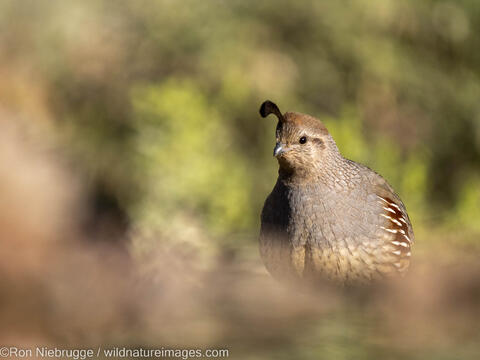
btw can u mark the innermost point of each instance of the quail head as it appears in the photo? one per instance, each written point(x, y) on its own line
point(327, 216)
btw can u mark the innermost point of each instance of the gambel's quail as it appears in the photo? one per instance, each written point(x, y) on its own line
point(327, 216)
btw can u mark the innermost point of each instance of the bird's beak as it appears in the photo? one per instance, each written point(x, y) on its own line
point(279, 149)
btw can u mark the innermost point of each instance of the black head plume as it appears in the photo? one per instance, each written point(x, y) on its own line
point(268, 108)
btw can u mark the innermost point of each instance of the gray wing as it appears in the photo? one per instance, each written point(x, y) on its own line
point(374, 238)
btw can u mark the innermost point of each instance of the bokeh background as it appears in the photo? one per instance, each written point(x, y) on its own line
point(134, 166)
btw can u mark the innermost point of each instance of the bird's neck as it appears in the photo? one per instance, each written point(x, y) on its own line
point(329, 173)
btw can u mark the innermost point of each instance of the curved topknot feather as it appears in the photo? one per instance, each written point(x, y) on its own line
point(268, 107)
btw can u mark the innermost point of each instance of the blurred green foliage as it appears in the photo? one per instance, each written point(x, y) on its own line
point(195, 169)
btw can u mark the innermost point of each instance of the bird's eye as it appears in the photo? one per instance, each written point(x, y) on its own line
point(303, 140)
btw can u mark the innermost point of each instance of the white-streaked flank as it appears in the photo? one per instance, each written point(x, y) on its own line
point(389, 209)
point(393, 231)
